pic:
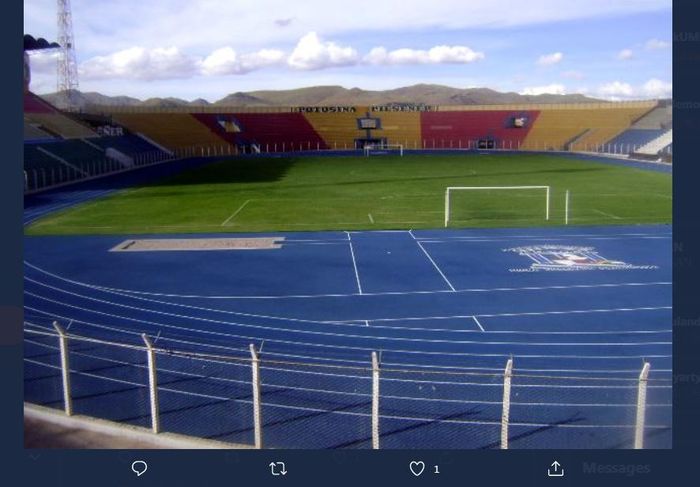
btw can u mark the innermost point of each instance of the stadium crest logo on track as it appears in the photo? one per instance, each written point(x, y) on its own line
point(569, 258)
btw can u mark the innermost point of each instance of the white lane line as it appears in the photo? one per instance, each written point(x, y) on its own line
point(371, 220)
point(337, 335)
point(538, 237)
point(428, 240)
point(441, 353)
point(436, 266)
point(354, 264)
point(477, 323)
point(356, 323)
point(314, 296)
point(525, 313)
point(235, 213)
point(609, 215)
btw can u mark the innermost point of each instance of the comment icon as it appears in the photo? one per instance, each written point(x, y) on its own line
point(139, 467)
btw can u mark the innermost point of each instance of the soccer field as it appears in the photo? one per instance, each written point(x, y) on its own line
point(382, 192)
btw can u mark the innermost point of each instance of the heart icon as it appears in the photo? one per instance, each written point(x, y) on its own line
point(417, 468)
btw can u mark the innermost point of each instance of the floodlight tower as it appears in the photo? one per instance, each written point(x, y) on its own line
point(67, 65)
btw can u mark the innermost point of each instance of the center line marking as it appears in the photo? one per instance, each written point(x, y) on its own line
point(435, 265)
point(354, 263)
point(235, 213)
point(478, 324)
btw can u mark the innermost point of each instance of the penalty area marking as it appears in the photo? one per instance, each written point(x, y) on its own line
point(235, 213)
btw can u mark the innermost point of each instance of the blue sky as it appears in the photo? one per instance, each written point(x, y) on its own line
point(209, 48)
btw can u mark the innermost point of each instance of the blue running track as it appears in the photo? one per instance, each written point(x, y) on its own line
point(445, 309)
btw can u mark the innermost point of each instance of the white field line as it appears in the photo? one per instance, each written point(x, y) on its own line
point(477, 323)
point(371, 220)
point(435, 265)
point(235, 213)
point(609, 215)
point(354, 264)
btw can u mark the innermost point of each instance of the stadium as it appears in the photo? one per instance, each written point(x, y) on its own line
point(394, 274)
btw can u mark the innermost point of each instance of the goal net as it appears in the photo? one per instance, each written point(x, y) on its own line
point(383, 149)
point(484, 204)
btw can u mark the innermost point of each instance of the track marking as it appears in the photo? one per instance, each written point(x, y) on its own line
point(365, 321)
point(441, 353)
point(557, 235)
point(436, 266)
point(609, 215)
point(354, 264)
point(383, 293)
point(235, 213)
point(477, 323)
point(371, 220)
point(525, 313)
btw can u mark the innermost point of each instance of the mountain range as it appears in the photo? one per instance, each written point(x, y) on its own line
point(421, 94)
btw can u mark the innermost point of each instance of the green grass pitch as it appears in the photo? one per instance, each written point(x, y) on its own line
point(379, 192)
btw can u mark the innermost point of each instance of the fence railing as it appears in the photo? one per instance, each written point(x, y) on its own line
point(250, 396)
point(42, 178)
point(39, 179)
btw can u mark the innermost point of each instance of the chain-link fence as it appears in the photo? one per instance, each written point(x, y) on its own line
point(246, 396)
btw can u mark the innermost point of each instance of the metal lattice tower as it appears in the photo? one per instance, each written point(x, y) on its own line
point(67, 68)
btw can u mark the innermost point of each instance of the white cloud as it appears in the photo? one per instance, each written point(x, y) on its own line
point(250, 25)
point(616, 89)
point(43, 62)
point(141, 63)
point(655, 88)
point(434, 55)
point(225, 61)
point(550, 59)
point(657, 44)
point(312, 53)
point(625, 54)
point(553, 89)
point(573, 74)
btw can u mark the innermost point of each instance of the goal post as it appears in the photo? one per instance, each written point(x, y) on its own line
point(382, 148)
point(450, 189)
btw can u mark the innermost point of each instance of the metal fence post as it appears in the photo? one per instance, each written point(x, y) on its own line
point(505, 417)
point(641, 407)
point(153, 384)
point(65, 369)
point(375, 401)
point(257, 406)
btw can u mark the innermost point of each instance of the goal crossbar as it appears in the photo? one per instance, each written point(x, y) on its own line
point(449, 189)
